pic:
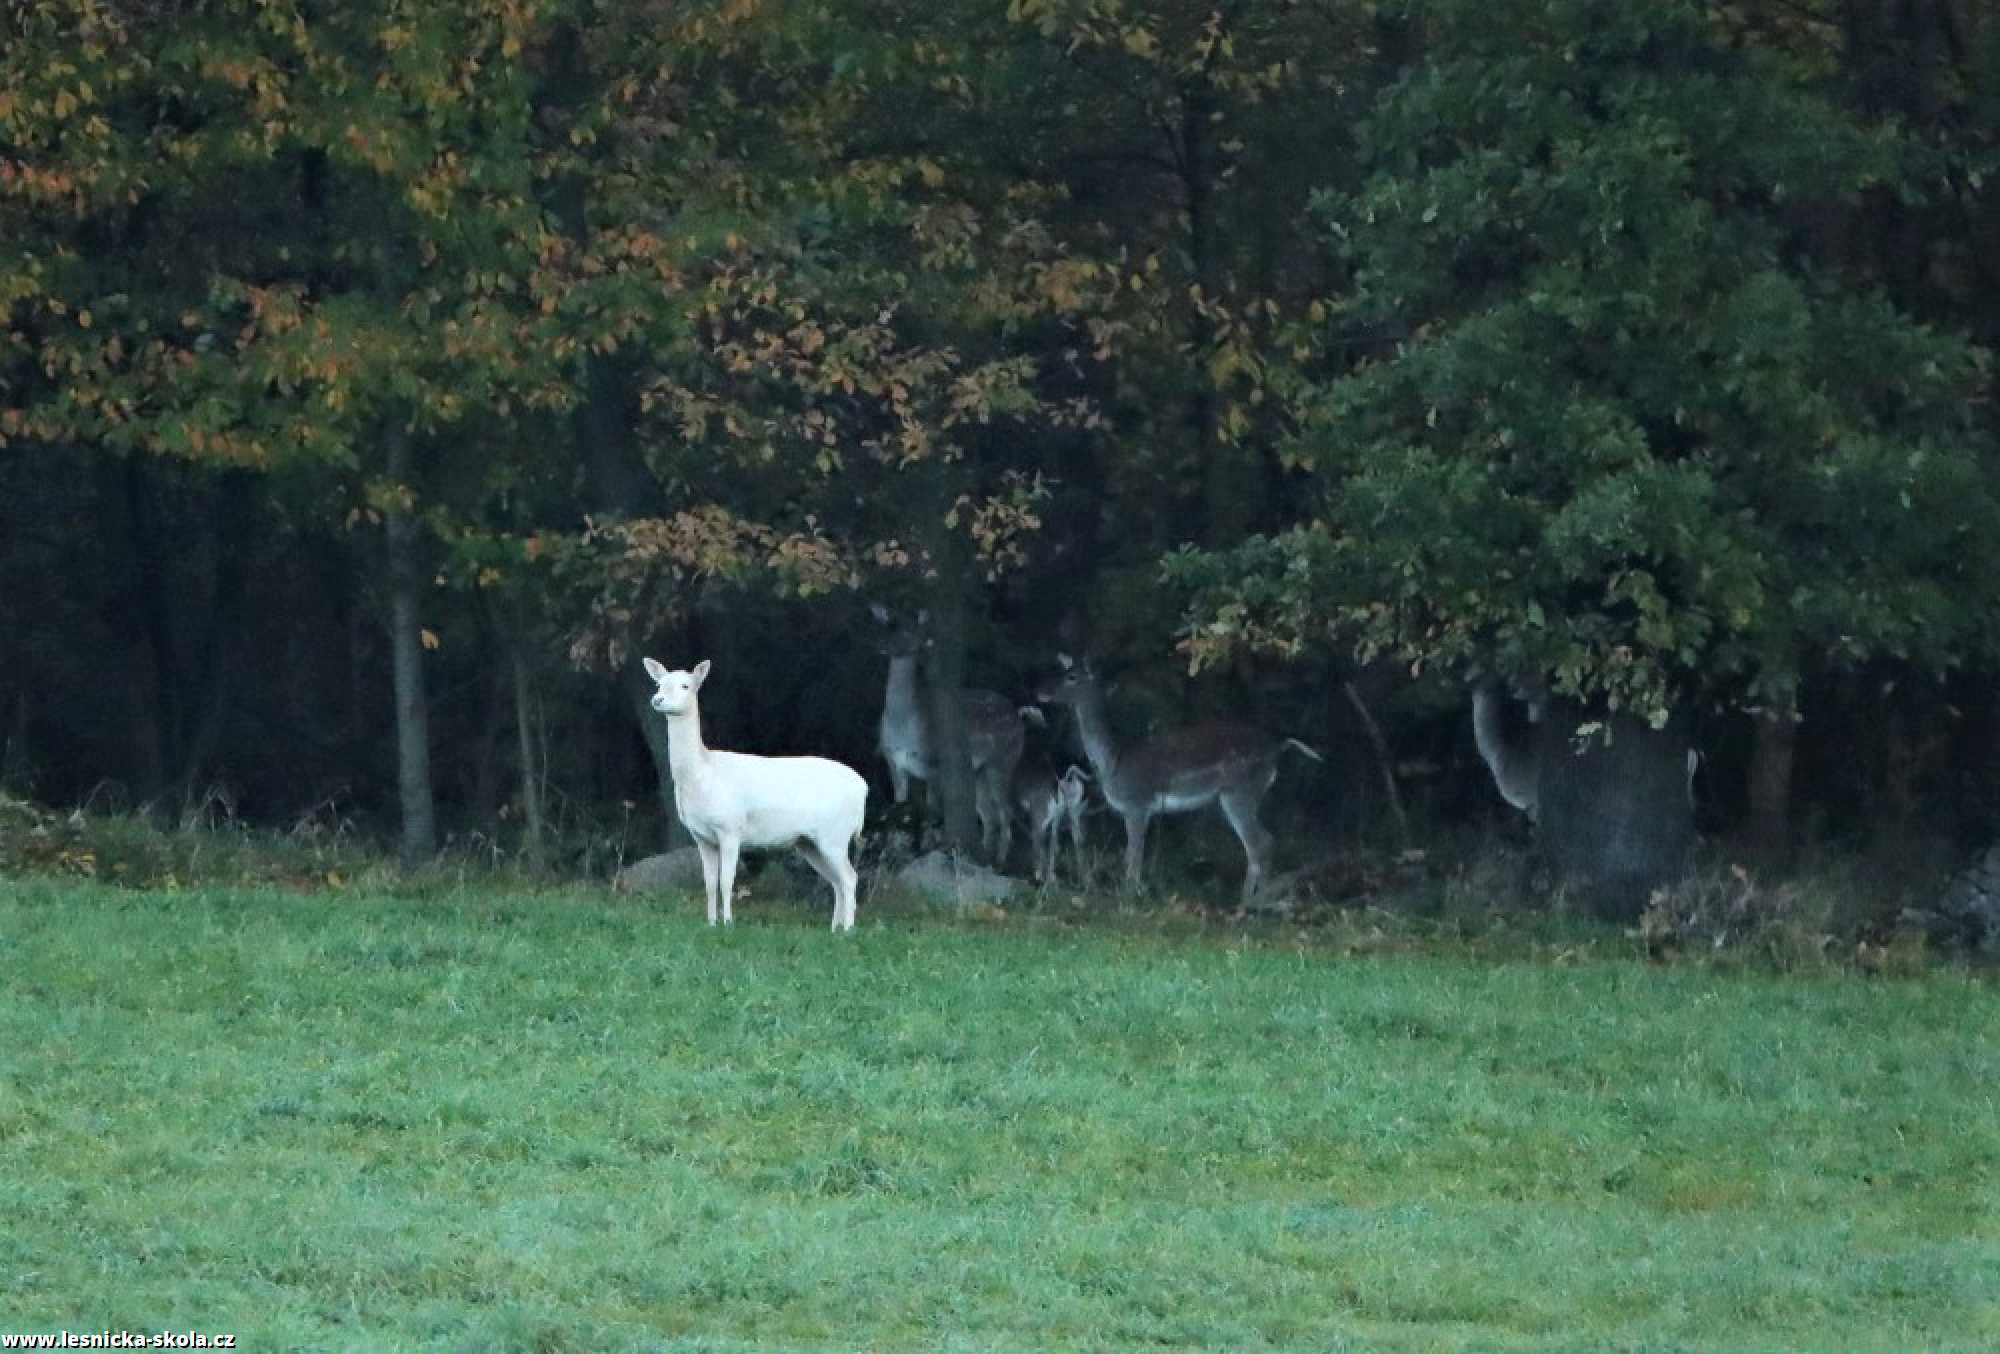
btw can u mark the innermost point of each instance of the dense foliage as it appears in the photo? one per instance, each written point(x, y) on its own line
point(1638, 351)
point(1626, 414)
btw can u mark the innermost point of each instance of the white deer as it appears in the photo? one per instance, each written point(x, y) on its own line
point(1232, 765)
point(992, 728)
point(730, 800)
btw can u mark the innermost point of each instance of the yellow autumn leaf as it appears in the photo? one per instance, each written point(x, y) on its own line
point(430, 639)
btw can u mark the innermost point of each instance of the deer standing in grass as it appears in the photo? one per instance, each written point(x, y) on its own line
point(1231, 765)
point(730, 800)
point(992, 727)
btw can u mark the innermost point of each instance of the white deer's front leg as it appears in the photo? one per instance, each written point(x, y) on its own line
point(899, 781)
point(709, 867)
point(727, 848)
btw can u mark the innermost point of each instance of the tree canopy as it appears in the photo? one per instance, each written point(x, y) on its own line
point(1623, 412)
point(1637, 352)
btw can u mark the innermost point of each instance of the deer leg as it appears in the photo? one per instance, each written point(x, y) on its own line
point(1240, 808)
point(1075, 817)
point(996, 823)
point(830, 863)
point(726, 849)
point(982, 808)
point(899, 781)
point(709, 868)
point(822, 867)
point(844, 887)
point(1135, 848)
point(1003, 815)
point(1041, 834)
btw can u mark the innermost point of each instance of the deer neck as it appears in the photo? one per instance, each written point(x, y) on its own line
point(1093, 729)
point(685, 750)
point(899, 698)
point(1511, 759)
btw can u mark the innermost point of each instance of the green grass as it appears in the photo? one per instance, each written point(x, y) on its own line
point(564, 1122)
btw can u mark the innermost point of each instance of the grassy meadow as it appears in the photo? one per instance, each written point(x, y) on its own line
point(572, 1122)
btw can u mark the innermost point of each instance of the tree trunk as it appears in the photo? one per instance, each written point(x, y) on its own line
point(602, 423)
point(943, 677)
point(639, 691)
point(531, 769)
point(154, 606)
point(234, 522)
point(14, 742)
point(1613, 812)
point(406, 650)
point(1773, 746)
point(1383, 760)
point(483, 801)
point(139, 710)
point(1230, 483)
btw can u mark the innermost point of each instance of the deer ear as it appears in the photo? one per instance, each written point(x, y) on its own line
point(700, 673)
point(879, 612)
point(1064, 662)
point(655, 669)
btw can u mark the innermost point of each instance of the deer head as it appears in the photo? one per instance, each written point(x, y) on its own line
point(1067, 686)
point(901, 637)
point(675, 690)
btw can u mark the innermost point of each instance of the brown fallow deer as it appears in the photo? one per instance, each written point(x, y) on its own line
point(992, 727)
point(1179, 771)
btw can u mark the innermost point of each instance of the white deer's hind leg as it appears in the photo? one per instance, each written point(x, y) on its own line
point(710, 867)
point(845, 886)
point(827, 867)
point(834, 848)
point(726, 849)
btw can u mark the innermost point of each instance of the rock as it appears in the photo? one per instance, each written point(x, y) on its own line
point(1971, 903)
point(945, 878)
point(677, 869)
